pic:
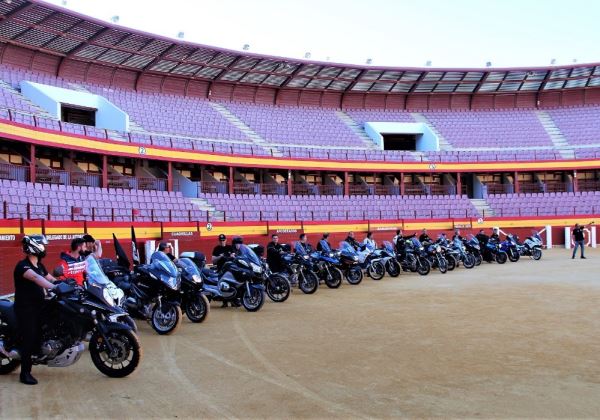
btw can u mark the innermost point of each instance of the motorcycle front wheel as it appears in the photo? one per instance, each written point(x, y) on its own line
point(253, 301)
point(166, 318)
point(334, 279)
point(513, 256)
point(278, 288)
point(354, 275)
point(393, 268)
point(423, 267)
point(501, 257)
point(308, 282)
point(198, 308)
point(536, 253)
point(469, 261)
point(125, 356)
point(442, 265)
point(376, 270)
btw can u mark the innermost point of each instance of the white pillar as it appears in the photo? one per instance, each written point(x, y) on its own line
point(567, 237)
point(548, 236)
point(593, 237)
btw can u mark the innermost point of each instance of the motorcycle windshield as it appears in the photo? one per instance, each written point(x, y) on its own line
point(94, 274)
point(250, 255)
point(416, 243)
point(347, 249)
point(388, 246)
point(188, 266)
point(325, 246)
point(163, 268)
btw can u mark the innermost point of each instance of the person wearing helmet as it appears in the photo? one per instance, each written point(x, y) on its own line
point(221, 252)
point(31, 280)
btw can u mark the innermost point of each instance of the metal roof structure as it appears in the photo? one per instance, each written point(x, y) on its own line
point(43, 27)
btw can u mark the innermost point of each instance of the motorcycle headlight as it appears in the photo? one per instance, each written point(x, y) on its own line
point(256, 268)
point(197, 279)
point(108, 297)
point(305, 257)
point(355, 258)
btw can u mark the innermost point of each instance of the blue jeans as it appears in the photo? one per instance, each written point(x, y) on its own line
point(577, 245)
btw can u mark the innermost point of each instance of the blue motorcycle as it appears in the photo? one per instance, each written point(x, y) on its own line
point(325, 264)
point(509, 245)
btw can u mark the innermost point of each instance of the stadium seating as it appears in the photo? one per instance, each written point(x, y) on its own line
point(579, 125)
point(59, 202)
point(495, 129)
point(545, 204)
point(239, 207)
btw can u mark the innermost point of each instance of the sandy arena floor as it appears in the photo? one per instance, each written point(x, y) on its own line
point(519, 340)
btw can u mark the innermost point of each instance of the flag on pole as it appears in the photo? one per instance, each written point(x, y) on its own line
point(135, 253)
point(122, 259)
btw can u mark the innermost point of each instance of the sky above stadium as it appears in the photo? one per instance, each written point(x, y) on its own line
point(449, 33)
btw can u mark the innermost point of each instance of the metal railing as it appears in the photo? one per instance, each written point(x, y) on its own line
point(14, 172)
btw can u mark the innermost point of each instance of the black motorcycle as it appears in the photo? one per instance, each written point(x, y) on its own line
point(277, 285)
point(193, 302)
point(70, 317)
point(413, 257)
point(153, 292)
point(240, 279)
point(298, 267)
point(348, 262)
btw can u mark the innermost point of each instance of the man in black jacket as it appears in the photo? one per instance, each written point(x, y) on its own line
point(274, 254)
point(579, 239)
point(352, 241)
point(323, 243)
point(424, 237)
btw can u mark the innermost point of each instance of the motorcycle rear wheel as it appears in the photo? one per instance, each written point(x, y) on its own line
point(278, 288)
point(451, 263)
point(166, 319)
point(308, 282)
point(376, 270)
point(354, 276)
point(254, 301)
point(198, 309)
point(126, 348)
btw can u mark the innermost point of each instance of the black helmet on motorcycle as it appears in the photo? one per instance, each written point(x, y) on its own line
point(237, 240)
point(35, 245)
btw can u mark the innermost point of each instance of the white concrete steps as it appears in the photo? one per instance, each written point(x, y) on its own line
point(357, 129)
point(557, 137)
point(204, 205)
point(444, 144)
point(255, 137)
point(483, 207)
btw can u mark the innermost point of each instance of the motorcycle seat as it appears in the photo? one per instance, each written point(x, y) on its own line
point(7, 310)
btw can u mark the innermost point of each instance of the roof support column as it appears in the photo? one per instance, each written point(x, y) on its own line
point(169, 176)
point(104, 171)
point(32, 163)
point(516, 182)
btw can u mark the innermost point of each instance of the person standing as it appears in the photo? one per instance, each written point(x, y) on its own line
point(221, 252)
point(369, 242)
point(579, 239)
point(274, 250)
point(92, 246)
point(31, 280)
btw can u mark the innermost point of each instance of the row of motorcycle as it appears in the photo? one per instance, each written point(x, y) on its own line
point(102, 312)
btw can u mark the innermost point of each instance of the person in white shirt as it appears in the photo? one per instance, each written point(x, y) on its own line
point(369, 242)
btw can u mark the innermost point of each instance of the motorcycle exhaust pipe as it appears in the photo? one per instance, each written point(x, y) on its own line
point(13, 354)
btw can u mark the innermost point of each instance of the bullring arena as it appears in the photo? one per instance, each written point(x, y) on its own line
point(499, 341)
point(141, 168)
